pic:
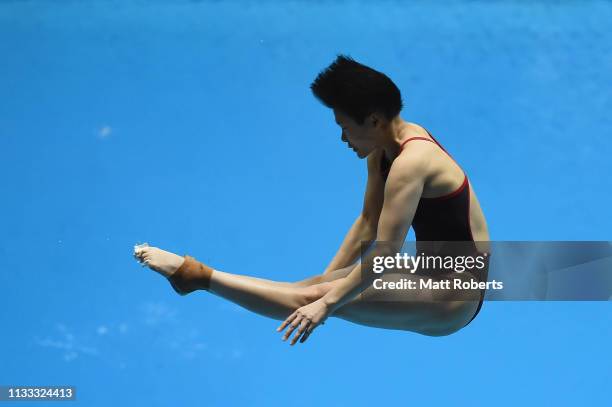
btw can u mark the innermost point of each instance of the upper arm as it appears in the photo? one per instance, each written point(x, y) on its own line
point(402, 193)
point(374, 194)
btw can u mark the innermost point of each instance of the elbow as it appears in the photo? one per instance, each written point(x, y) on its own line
point(387, 248)
point(369, 227)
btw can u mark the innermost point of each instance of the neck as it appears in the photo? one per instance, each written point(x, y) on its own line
point(393, 136)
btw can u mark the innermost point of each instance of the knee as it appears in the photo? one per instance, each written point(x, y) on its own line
point(308, 281)
point(311, 293)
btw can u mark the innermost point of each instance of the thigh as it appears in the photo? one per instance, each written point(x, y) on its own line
point(432, 312)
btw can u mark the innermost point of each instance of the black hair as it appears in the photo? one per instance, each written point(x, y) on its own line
point(357, 90)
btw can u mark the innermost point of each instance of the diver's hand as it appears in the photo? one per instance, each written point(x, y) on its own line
point(306, 319)
point(164, 262)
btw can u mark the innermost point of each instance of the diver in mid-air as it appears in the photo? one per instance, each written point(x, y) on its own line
point(412, 181)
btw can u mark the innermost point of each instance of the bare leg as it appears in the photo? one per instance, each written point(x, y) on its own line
point(272, 298)
point(430, 312)
point(316, 279)
point(265, 297)
point(262, 296)
point(309, 281)
point(323, 278)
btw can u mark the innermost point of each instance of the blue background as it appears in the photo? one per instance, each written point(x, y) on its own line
point(190, 125)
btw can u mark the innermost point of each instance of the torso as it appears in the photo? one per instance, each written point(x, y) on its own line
point(445, 178)
point(448, 209)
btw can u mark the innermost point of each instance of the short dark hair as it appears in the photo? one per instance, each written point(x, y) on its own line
point(356, 90)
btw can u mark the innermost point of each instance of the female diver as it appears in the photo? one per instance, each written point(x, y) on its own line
point(412, 181)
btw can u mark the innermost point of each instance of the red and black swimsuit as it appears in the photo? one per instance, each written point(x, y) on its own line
point(445, 218)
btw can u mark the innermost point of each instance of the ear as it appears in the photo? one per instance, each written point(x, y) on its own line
point(375, 119)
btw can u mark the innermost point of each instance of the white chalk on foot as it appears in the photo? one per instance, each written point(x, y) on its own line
point(140, 246)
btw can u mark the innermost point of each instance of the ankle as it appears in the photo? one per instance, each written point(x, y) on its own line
point(190, 276)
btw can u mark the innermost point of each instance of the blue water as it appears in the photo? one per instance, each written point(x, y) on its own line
point(190, 125)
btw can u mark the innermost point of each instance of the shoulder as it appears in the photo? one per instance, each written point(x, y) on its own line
point(412, 163)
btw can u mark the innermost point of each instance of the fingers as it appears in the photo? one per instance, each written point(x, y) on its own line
point(307, 333)
point(284, 324)
point(300, 321)
point(303, 325)
point(292, 325)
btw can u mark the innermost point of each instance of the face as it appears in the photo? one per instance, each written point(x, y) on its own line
point(360, 138)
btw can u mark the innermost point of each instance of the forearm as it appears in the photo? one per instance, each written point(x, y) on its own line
point(350, 250)
point(360, 278)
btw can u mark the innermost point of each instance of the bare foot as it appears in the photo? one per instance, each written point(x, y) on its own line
point(162, 261)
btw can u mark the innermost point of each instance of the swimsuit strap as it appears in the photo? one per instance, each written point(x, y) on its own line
point(433, 140)
point(416, 138)
point(385, 163)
